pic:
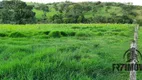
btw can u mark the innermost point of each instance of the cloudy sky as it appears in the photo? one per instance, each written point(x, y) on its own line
point(135, 2)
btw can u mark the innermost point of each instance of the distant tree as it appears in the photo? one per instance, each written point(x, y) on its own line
point(1, 5)
point(66, 20)
point(61, 8)
point(55, 6)
point(87, 8)
point(17, 12)
point(95, 8)
point(98, 3)
point(0, 16)
point(81, 19)
point(45, 9)
point(73, 13)
point(57, 18)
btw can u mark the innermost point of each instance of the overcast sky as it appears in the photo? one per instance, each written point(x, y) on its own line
point(135, 2)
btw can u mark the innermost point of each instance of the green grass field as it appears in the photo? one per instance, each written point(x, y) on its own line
point(64, 51)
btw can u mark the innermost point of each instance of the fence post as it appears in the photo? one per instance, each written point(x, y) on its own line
point(134, 54)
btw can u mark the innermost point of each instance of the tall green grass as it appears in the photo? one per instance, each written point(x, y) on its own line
point(63, 51)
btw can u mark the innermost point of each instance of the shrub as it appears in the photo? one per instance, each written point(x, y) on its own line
point(17, 34)
point(55, 34)
point(42, 36)
point(117, 30)
point(123, 34)
point(64, 33)
point(115, 33)
point(99, 34)
point(3, 35)
point(76, 27)
point(46, 32)
point(77, 57)
point(83, 34)
point(102, 30)
point(71, 33)
point(96, 45)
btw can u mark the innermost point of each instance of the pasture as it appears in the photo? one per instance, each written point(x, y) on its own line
point(63, 51)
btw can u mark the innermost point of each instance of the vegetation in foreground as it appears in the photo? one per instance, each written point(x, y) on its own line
point(63, 51)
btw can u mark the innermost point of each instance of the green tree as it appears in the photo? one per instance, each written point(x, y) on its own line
point(81, 19)
point(45, 9)
point(73, 13)
point(57, 18)
point(17, 12)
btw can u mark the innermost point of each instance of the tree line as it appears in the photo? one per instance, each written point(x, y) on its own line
point(18, 12)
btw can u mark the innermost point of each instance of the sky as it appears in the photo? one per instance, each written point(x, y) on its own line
point(135, 2)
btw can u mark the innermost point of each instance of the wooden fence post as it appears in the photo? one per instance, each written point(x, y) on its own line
point(134, 54)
